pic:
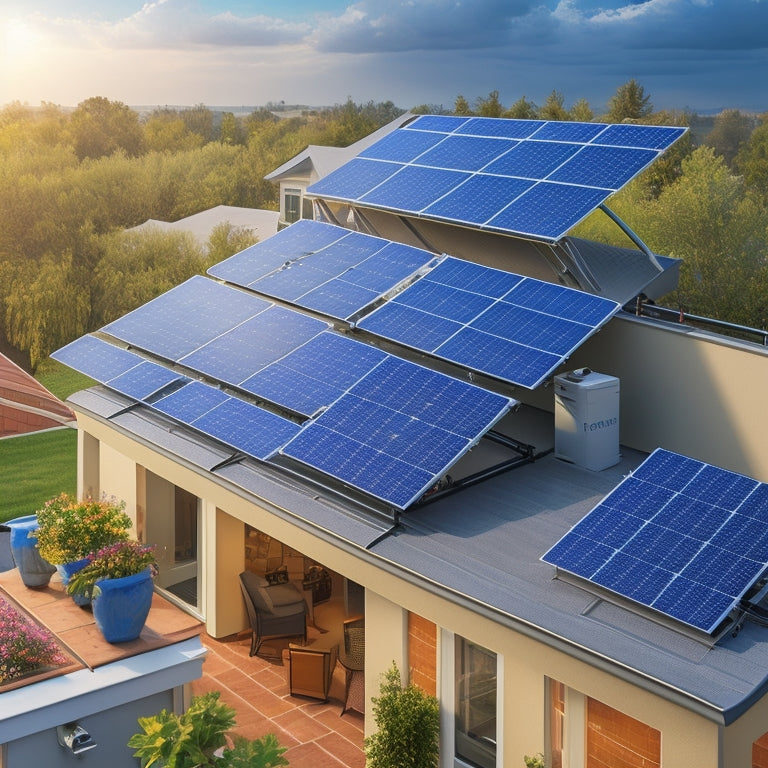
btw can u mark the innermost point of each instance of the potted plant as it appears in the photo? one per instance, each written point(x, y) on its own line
point(408, 722)
point(118, 580)
point(69, 530)
point(198, 738)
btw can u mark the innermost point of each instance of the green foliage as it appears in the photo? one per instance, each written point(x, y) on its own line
point(553, 108)
point(630, 102)
point(101, 127)
point(489, 106)
point(522, 109)
point(752, 158)
point(730, 131)
point(408, 722)
point(190, 740)
point(534, 761)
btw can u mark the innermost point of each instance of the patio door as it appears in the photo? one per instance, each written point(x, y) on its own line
point(173, 526)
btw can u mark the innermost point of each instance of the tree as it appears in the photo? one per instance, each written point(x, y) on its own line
point(629, 103)
point(522, 109)
point(581, 112)
point(752, 158)
point(731, 129)
point(101, 127)
point(553, 108)
point(167, 132)
point(199, 120)
point(490, 106)
point(461, 107)
point(408, 722)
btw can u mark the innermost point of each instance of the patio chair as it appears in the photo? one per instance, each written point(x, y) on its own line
point(353, 660)
point(277, 610)
point(310, 670)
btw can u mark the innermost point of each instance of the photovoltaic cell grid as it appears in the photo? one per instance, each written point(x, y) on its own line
point(322, 267)
point(397, 431)
point(513, 328)
point(679, 536)
point(533, 178)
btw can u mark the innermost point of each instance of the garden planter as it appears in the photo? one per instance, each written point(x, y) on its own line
point(121, 606)
point(66, 571)
point(35, 572)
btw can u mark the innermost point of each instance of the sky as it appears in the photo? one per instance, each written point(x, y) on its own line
point(701, 55)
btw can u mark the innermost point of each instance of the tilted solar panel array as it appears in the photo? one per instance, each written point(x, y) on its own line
point(296, 368)
point(516, 329)
point(679, 536)
point(532, 178)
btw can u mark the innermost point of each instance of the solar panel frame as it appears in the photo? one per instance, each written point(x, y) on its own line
point(590, 160)
point(691, 553)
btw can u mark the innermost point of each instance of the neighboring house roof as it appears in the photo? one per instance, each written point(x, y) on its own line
point(264, 223)
point(323, 160)
point(25, 404)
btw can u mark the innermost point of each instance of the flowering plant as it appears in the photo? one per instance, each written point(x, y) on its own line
point(70, 530)
point(123, 558)
point(24, 645)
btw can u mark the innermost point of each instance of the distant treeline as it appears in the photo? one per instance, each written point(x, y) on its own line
point(71, 182)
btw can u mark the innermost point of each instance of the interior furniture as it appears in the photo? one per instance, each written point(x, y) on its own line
point(310, 670)
point(274, 610)
point(352, 658)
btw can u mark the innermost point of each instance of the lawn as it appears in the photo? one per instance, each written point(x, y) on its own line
point(35, 467)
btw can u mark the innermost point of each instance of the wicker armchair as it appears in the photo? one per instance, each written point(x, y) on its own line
point(277, 610)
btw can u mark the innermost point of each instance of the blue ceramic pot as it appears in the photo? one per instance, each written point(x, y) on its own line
point(35, 572)
point(67, 571)
point(122, 605)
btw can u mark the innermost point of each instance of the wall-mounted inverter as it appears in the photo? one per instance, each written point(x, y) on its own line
point(587, 419)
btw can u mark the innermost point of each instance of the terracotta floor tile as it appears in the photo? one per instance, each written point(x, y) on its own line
point(312, 756)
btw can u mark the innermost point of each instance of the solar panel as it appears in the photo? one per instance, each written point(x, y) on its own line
point(96, 358)
point(337, 272)
point(144, 381)
point(186, 317)
point(533, 178)
point(682, 537)
point(513, 328)
point(237, 354)
point(397, 431)
point(315, 374)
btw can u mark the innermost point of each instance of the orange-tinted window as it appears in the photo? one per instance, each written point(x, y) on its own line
point(616, 740)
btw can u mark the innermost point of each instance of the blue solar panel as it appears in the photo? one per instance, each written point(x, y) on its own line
point(507, 326)
point(386, 438)
point(300, 239)
point(465, 153)
point(449, 169)
point(355, 178)
point(677, 536)
point(186, 317)
point(413, 188)
point(191, 401)
point(96, 358)
point(145, 380)
point(236, 355)
point(316, 374)
point(246, 428)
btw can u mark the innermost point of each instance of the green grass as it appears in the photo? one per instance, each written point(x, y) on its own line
point(34, 468)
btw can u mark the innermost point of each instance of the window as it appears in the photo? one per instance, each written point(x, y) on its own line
point(475, 685)
point(292, 205)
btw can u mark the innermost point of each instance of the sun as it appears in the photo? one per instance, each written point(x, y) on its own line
point(21, 39)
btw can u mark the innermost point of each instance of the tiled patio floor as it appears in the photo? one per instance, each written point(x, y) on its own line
point(314, 732)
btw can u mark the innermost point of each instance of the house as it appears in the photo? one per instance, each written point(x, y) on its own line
point(464, 415)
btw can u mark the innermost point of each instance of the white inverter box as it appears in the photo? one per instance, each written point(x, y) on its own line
point(587, 419)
